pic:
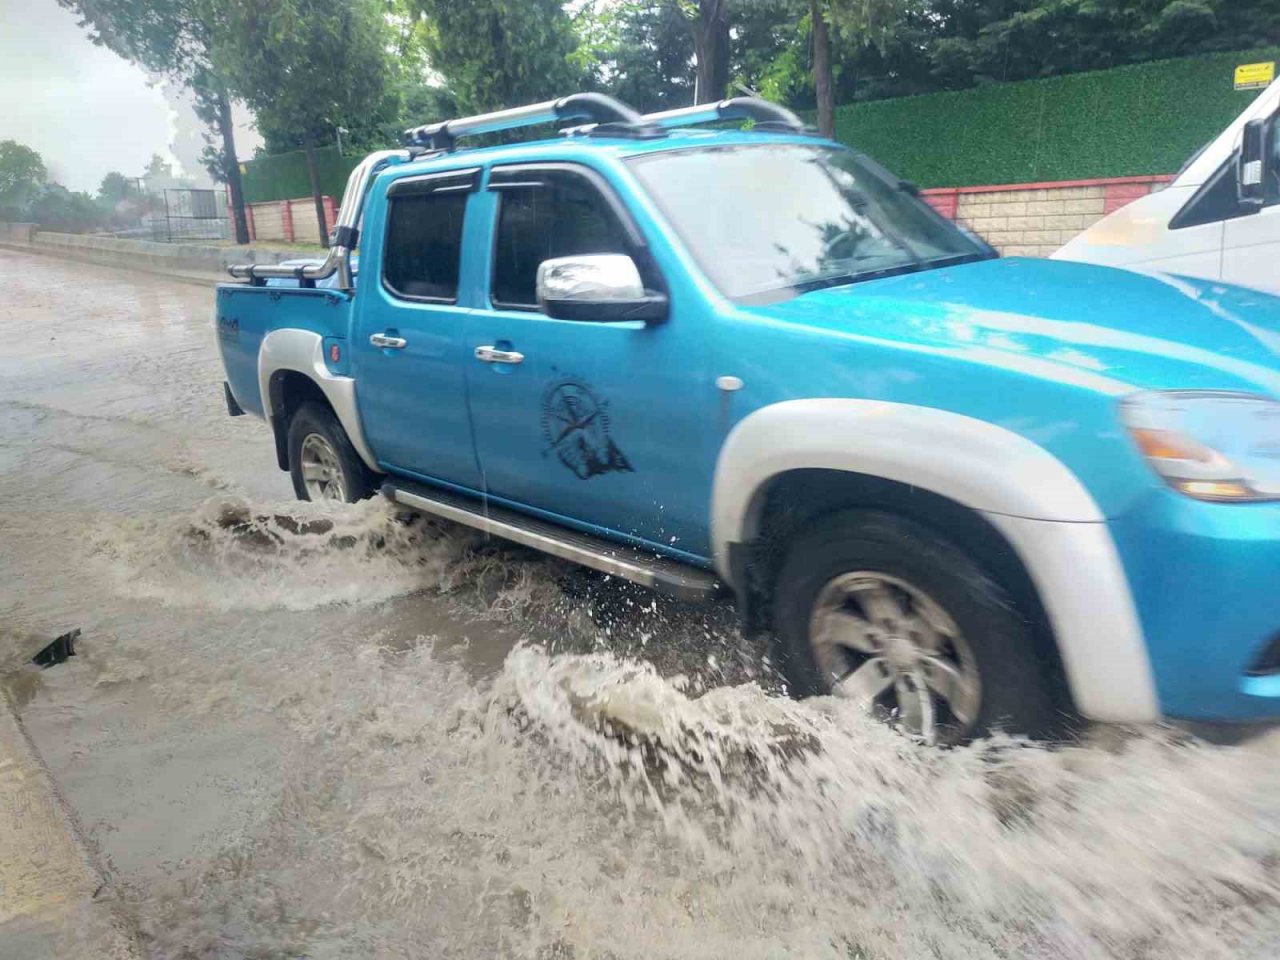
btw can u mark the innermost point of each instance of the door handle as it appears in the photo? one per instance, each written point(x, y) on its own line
point(391, 343)
point(491, 354)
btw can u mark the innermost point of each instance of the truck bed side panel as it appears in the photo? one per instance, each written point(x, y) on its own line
point(246, 314)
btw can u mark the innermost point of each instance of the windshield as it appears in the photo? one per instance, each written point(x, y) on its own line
point(768, 221)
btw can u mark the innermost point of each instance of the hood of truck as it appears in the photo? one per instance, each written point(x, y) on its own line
point(1113, 328)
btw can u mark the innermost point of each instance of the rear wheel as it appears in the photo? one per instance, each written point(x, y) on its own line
point(879, 609)
point(322, 462)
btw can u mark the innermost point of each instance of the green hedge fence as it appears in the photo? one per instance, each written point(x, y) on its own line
point(1130, 121)
point(283, 176)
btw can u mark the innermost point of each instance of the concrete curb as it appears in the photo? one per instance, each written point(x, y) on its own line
point(200, 278)
point(203, 264)
point(51, 889)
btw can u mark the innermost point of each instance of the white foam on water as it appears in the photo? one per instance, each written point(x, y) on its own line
point(586, 805)
point(297, 556)
point(1147, 845)
point(582, 805)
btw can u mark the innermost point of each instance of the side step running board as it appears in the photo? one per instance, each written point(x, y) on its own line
point(658, 573)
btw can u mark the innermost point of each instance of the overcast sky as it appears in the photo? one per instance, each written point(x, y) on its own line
point(85, 110)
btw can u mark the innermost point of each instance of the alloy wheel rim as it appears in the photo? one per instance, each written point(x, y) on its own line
point(887, 644)
point(322, 470)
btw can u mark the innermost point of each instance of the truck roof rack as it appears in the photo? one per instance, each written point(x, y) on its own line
point(610, 117)
point(768, 116)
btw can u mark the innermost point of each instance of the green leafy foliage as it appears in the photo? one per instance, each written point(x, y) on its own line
point(307, 67)
point(115, 188)
point(1130, 121)
point(934, 45)
point(22, 172)
point(57, 208)
point(502, 53)
point(641, 51)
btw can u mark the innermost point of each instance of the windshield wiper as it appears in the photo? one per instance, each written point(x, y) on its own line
point(915, 266)
point(843, 279)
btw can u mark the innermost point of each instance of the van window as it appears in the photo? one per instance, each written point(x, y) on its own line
point(558, 216)
point(424, 246)
point(1273, 182)
point(1219, 199)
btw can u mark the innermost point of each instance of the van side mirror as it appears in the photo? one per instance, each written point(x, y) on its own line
point(597, 287)
point(1252, 167)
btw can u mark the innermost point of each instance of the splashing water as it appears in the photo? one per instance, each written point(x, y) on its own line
point(589, 804)
point(581, 805)
point(295, 556)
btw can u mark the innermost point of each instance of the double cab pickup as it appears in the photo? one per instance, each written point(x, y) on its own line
point(966, 491)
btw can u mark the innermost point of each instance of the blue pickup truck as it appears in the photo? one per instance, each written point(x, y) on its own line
point(965, 491)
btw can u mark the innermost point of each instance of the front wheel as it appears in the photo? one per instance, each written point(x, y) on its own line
point(322, 462)
point(879, 609)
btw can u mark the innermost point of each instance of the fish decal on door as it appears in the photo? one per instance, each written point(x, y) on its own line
point(575, 425)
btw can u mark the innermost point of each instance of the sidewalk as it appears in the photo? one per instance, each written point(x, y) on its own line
point(51, 892)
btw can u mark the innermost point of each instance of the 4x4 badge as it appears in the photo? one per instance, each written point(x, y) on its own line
point(575, 424)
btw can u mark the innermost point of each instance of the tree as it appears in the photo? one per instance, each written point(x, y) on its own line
point(709, 20)
point(307, 67)
point(57, 208)
point(176, 38)
point(767, 46)
point(822, 79)
point(953, 44)
point(641, 51)
point(858, 23)
point(115, 188)
point(502, 53)
point(158, 168)
point(22, 172)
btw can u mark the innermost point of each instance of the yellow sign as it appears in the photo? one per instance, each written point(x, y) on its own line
point(1255, 76)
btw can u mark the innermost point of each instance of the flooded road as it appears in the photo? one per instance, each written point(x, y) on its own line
point(293, 731)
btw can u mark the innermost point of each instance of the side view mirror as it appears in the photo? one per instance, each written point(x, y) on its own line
point(1251, 171)
point(597, 287)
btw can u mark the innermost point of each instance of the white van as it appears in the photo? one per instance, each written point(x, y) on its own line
point(1219, 219)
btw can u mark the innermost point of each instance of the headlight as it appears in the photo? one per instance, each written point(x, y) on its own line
point(1209, 445)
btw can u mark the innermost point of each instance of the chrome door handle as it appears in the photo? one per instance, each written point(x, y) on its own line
point(391, 343)
point(491, 354)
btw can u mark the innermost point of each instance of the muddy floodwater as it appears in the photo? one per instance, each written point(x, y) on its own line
point(292, 731)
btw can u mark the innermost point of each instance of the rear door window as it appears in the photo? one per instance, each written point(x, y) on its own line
point(424, 245)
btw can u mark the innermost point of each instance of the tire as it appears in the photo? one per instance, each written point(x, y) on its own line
point(318, 443)
point(843, 581)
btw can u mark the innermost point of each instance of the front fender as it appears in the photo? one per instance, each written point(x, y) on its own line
point(1040, 507)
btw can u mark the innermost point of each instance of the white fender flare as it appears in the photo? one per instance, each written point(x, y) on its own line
point(1026, 493)
point(303, 351)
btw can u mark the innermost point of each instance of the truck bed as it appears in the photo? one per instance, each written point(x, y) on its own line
point(246, 314)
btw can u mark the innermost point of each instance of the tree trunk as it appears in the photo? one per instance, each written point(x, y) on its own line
point(711, 51)
point(822, 71)
point(231, 166)
point(310, 150)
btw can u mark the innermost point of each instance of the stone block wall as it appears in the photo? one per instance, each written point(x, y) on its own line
point(1035, 219)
